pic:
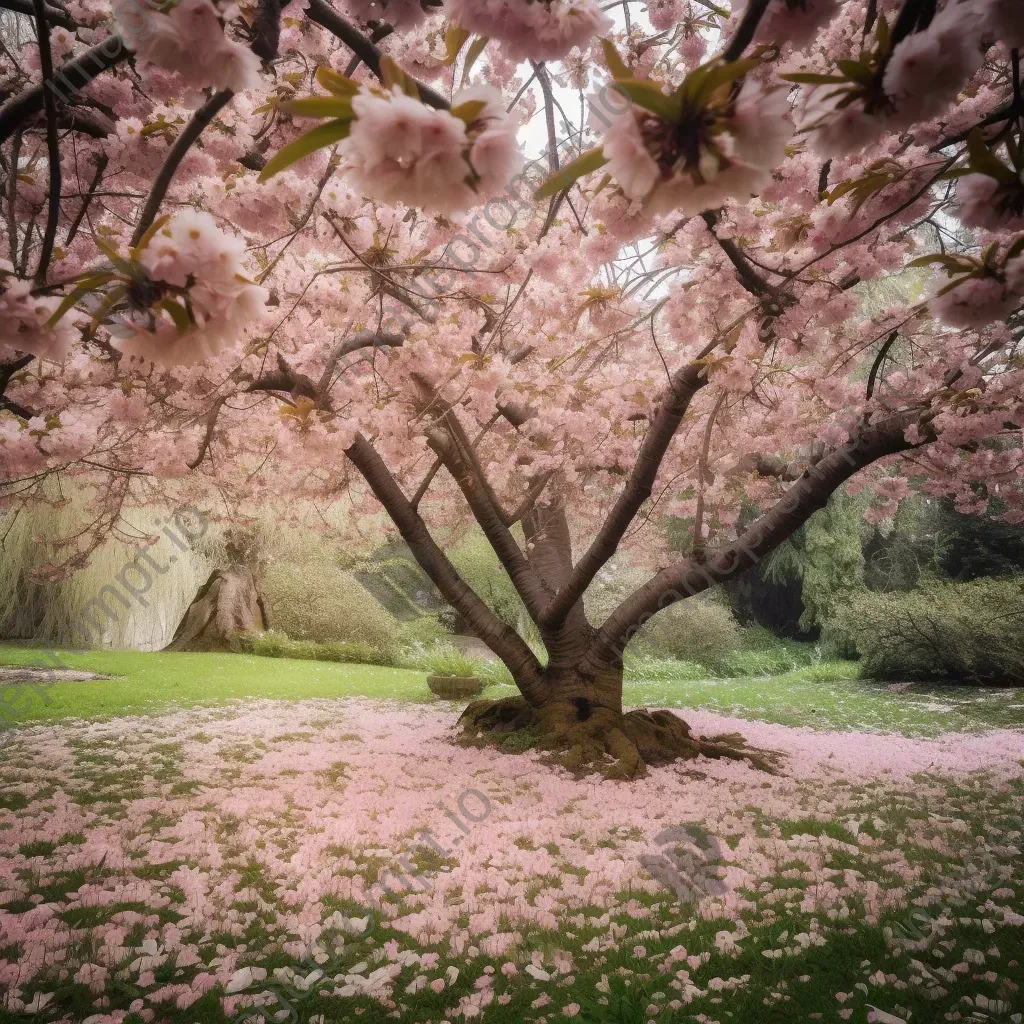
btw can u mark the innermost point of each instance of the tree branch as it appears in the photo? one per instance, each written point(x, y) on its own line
point(809, 493)
point(85, 67)
point(53, 15)
point(52, 145)
point(456, 452)
point(684, 385)
point(327, 17)
point(182, 144)
point(500, 638)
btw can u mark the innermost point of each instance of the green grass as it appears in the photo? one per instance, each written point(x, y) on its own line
point(150, 682)
point(827, 695)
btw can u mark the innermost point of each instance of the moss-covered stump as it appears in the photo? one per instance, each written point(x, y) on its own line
point(585, 738)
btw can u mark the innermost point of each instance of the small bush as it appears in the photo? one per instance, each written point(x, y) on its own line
point(441, 659)
point(762, 653)
point(961, 632)
point(697, 630)
point(275, 644)
point(426, 630)
point(321, 602)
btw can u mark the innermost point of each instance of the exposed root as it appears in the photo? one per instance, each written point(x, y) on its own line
point(585, 738)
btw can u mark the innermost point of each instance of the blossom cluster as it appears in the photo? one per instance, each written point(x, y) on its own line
point(400, 150)
point(189, 39)
point(539, 30)
point(191, 254)
point(701, 160)
point(25, 320)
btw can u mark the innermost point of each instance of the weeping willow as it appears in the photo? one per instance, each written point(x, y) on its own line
point(144, 615)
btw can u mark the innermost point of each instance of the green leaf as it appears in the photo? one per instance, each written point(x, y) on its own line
point(148, 236)
point(883, 35)
point(616, 65)
point(951, 264)
point(983, 160)
point(113, 255)
point(336, 83)
point(475, 49)
point(470, 110)
point(319, 137)
point(178, 312)
point(391, 75)
point(855, 71)
point(1016, 249)
point(700, 86)
point(650, 97)
point(320, 106)
point(455, 37)
point(110, 300)
point(588, 162)
point(89, 283)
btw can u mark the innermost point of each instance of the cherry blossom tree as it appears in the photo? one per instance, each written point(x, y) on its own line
point(292, 252)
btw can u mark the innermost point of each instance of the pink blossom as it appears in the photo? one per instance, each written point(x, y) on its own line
point(929, 68)
point(190, 40)
point(990, 204)
point(752, 145)
point(191, 251)
point(400, 150)
point(975, 302)
point(791, 21)
point(542, 31)
point(401, 14)
point(23, 319)
point(1005, 19)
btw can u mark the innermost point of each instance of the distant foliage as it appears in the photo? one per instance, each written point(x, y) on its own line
point(321, 602)
point(956, 632)
point(698, 630)
point(478, 565)
point(826, 555)
point(275, 644)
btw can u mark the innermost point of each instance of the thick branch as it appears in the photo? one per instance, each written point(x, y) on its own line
point(455, 450)
point(326, 16)
point(52, 145)
point(748, 277)
point(182, 144)
point(70, 79)
point(689, 576)
point(356, 343)
point(745, 31)
point(501, 639)
point(684, 385)
point(53, 15)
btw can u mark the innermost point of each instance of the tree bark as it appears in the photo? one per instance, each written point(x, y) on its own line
point(227, 604)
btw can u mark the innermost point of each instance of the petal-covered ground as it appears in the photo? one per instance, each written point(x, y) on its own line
point(347, 859)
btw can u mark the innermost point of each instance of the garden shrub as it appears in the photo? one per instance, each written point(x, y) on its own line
point(426, 630)
point(698, 630)
point(960, 632)
point(440, 659)
point(275, 644)
point(323, 603)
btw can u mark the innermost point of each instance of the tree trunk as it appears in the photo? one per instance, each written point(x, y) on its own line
point(227, 604)
point(582, 722)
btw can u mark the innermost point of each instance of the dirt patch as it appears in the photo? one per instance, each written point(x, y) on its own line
point(25, 674)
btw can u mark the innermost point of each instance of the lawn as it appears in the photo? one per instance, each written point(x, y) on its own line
point(824, 696)
point(217, 838)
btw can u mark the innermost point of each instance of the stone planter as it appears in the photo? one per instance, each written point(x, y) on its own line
point(454, 687)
